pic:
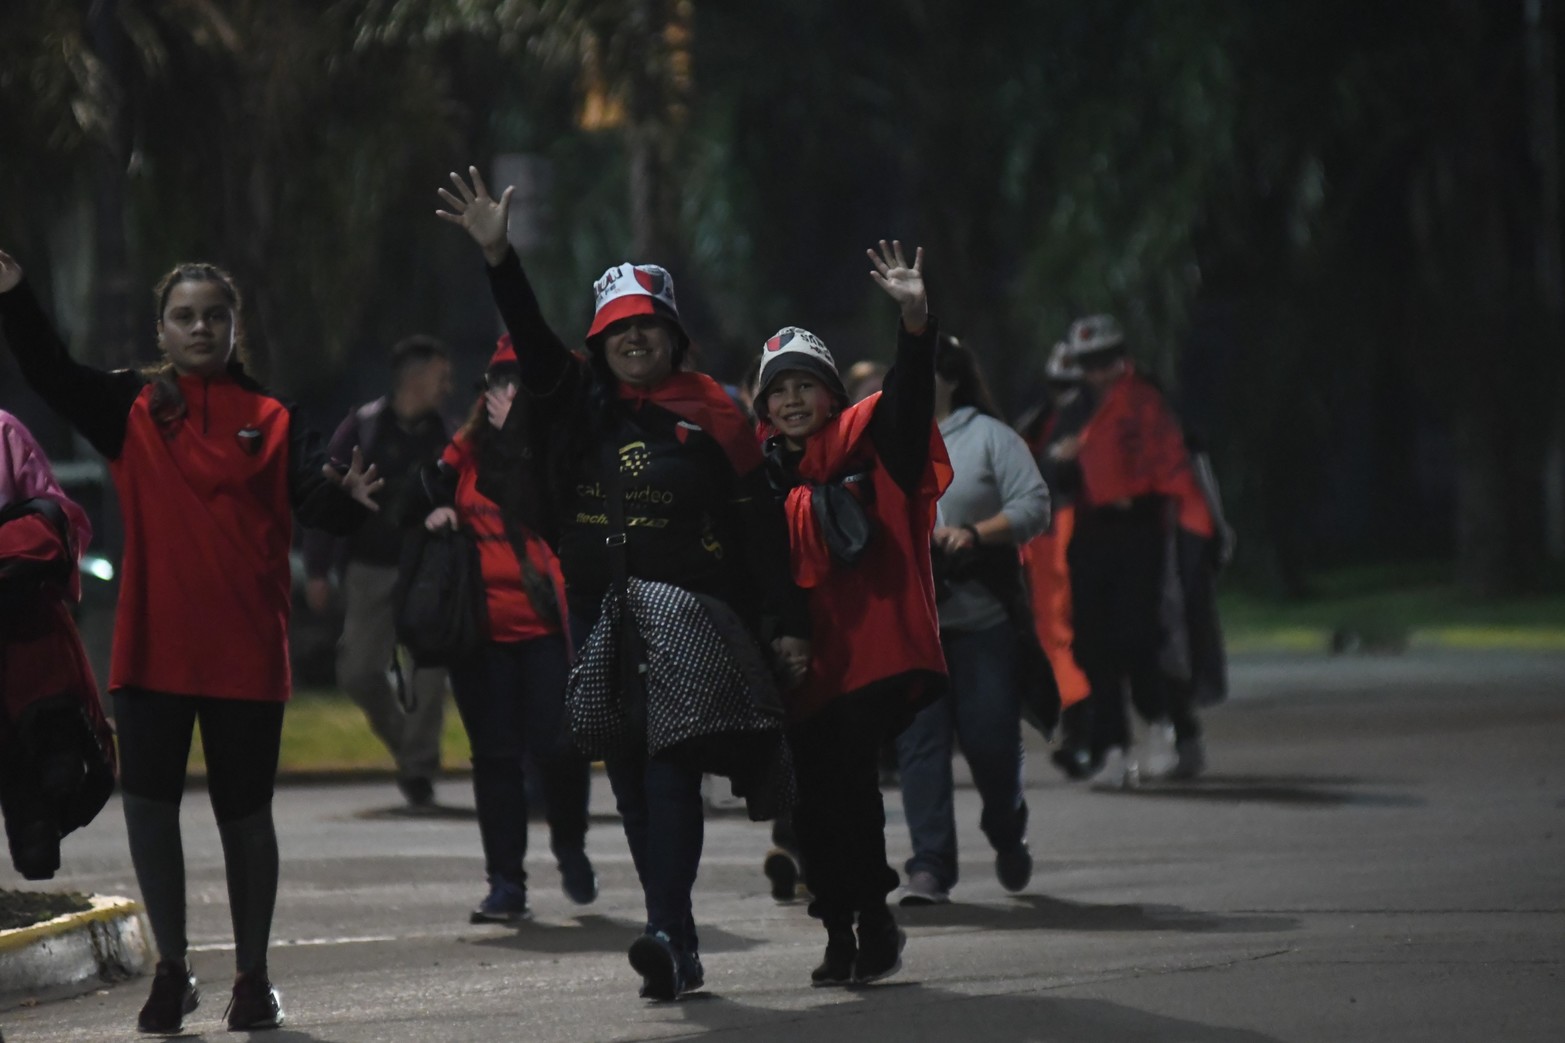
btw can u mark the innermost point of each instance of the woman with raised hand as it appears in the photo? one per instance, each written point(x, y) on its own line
point(210, 469)
point(696, 522)
point(860, 483)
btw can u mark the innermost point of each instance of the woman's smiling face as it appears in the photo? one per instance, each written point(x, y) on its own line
point(639, 350)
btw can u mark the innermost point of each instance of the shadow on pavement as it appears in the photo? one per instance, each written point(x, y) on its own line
point(913, 1013)
point(594, 933)
point(1040, 912)
point(1284, 791)
point(458, 812)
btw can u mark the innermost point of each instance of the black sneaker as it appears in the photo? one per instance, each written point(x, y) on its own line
point(654, 958)
point(783, 872)
point(577, 877)
point(255, 1004)
point(837, 966)
point(1075, 761)
point(418, 792)
point(1014, 867)
point(174, 994)
point(692, 975)
point(880, 950)
point(506, 903)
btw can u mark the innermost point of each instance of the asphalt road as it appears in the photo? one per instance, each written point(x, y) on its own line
point(1378, 853)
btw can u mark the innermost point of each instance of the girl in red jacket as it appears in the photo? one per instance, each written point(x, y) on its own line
point(861, 484)
point(510, 692)
point(210, 469)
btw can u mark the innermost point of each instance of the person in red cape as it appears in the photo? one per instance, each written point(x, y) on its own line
point(1120, 450)
point(509, 691)
point(57, 759)
point(860, 484)
point(210, 470)
point(700, 524)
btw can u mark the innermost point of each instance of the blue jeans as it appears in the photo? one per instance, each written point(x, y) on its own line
point(659, 800)
point(511, 698)
point(982, 710)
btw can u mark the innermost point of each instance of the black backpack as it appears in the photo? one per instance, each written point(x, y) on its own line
point(439, 597)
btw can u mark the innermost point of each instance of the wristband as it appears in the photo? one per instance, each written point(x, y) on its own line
point(977, 539)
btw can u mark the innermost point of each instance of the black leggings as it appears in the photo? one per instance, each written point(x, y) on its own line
point(240, 738)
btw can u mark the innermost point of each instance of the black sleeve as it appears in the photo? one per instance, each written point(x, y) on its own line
point(900, 426)
point(317, 501)
point(544, 359)
point(763, 528)
point(433, 486)
point(95, 402)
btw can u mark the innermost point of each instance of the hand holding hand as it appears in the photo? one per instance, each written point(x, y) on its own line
point(902, 283)
point(793, 658)
point(10, 272)
point(317, 594)
point(953, 538)
point(441, 518)
point(360, 482)
point(484, 217)
point(497, 403)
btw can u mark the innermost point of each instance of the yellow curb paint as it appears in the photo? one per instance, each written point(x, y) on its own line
point(1282, 639)
point(103, 908)
point(1517, 639)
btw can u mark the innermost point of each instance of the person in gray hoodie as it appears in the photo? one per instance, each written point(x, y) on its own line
point(997, 500)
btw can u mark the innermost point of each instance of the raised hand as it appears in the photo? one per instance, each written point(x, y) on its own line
point(497, 403)
point(484, 217)
point(10, 272)
point(360, 482)
point(904, 284)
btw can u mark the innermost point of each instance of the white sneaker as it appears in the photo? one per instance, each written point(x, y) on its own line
point(1158, 757)
point(1119, 771)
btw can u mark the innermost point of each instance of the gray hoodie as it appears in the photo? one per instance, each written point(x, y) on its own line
point(994, 473)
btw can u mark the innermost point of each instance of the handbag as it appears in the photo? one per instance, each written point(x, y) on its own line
point(438, 599)
point(845, 524)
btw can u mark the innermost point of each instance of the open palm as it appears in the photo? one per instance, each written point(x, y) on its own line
point(484, 217)
point(903, 282)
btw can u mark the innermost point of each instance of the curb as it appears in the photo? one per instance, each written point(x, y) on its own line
point(1347, 640)
point(109, 942)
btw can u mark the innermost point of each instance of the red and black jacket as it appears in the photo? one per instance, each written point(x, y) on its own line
point(207, 501)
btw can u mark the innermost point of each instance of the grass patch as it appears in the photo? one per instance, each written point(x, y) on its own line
point(323, 730)
point(25, 908)
point(1396, 599)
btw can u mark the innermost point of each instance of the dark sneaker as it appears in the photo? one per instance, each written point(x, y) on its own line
point(783, 872)
point(655, 959)
point(1189, 759)
point(174, 994)
point(577, 877)
point(1075, 761)
point(255, 1004)
point(505, 903)
point(880, 951)
point(837, 966)
point(418, 792)
point(692, 975)
point(923, 888)
point(1014, 867)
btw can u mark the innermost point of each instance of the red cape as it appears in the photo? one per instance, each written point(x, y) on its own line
point(699, 399)
point(1133, 447)
point(874, 619)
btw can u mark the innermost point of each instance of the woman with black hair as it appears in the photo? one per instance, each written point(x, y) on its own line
point(510, 691)
point(210, 469)
point(695, 516)
point(996, 502)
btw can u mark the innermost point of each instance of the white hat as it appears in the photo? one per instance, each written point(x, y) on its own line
point(1093, 333)
point(792, 348)
point(1062, 367)
point(628, 290)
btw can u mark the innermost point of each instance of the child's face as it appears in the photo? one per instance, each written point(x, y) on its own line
point(799, 405)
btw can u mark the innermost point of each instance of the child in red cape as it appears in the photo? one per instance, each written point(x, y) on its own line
point(860, 484)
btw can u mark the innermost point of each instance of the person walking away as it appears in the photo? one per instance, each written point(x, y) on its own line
point(398, 433)
point(209, 468)
point(1133, 469)
point(700, 529)
point(510, 692)
point(57, 760)
point(860, 484)
point(996, 501)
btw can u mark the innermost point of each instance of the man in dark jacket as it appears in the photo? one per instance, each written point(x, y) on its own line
point(398, 433)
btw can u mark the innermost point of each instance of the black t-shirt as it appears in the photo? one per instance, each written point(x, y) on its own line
point(398, 450)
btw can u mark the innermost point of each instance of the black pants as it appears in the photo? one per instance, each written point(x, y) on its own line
point(840, 819)
point(1116, 562)
point(239, 737)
